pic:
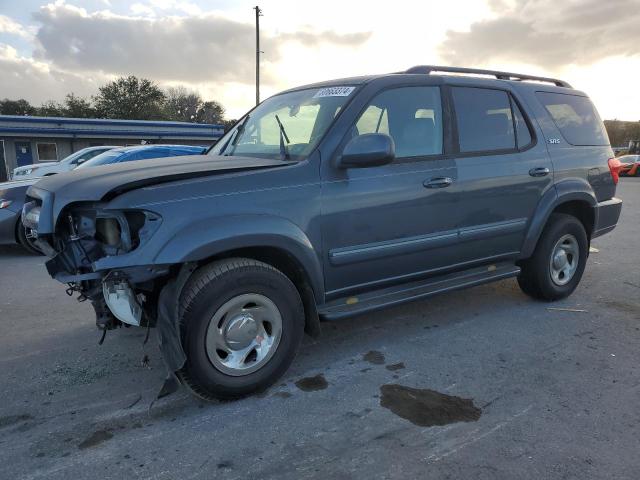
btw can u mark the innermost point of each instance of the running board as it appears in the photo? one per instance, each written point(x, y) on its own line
point(387, 297)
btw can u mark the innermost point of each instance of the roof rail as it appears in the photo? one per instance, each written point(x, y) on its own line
point(427, 69)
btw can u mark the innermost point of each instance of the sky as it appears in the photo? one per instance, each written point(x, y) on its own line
point(50, 49)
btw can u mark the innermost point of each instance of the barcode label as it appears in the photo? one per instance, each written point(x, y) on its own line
point(334, 92)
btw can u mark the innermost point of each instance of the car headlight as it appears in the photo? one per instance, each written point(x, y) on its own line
point(5, 203)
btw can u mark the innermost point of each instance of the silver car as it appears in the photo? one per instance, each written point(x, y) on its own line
point(44, 169)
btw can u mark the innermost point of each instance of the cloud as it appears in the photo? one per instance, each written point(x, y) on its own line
point(204, 48)
point(37, 81)
point(10, 26)
point(548, 33)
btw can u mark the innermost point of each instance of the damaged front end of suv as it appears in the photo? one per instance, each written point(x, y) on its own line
point(89, 246)
point(86, 246)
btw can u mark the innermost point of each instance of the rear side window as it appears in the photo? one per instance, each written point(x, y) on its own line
point(484, 119)
point(576, 118)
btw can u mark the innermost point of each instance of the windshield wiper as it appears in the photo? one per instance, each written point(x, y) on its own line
point(284, 151)
point(233, 140)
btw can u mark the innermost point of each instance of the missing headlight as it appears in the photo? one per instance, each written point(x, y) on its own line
point(108, 231)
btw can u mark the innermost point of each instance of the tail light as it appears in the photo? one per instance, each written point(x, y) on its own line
point(614, 167)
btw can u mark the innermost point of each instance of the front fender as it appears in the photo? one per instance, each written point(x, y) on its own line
point(199, 241)
point(568, 190)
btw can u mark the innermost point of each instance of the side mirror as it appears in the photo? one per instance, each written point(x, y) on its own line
point(368, 150)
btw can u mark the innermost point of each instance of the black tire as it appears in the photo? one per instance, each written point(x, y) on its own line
point(535, 279)
point(25, 241)
point(209, 289)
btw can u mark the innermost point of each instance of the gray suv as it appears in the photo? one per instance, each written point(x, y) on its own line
point(331, 200)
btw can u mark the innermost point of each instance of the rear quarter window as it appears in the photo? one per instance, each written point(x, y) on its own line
point(576, 118)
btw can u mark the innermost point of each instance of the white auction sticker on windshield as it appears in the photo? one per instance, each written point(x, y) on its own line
point(334, 92)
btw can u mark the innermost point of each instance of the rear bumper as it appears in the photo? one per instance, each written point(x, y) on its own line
point(606, 216)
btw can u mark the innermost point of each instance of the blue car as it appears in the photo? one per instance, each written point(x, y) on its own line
point(12, 194)
point(141, 152)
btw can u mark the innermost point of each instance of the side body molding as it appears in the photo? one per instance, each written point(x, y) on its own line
point(199, 241)
point(564, 191)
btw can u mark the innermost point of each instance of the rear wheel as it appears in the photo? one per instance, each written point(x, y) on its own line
point(557, 265)
point(27, 238)
point(241, 325)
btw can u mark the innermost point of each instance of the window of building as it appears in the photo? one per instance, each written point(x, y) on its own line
point(412, 116)
point(47, 152)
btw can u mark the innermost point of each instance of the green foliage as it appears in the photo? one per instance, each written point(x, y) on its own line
point(51, 109)
point(127, 98)
point(16, 107)
point(187, 106)
point(77, 107)
point(620, 133)
point(130, 98)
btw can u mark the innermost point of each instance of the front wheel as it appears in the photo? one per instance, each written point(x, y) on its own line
point(241, 323)
point(557, 265)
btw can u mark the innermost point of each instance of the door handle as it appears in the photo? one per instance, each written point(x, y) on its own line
point(438, 182)
point(539, 172)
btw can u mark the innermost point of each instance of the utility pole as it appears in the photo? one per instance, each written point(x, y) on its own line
point(258, 15)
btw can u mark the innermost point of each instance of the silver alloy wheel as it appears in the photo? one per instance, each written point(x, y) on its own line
point(564, 259)
point(243, 334)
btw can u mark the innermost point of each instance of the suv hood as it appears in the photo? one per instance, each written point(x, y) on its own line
point(96, 183)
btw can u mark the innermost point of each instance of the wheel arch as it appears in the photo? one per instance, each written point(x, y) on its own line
point(272, 240)
point(574, 197)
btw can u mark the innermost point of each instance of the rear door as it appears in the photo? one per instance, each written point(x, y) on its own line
point(502, 172)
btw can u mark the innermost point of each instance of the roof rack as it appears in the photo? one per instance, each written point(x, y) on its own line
point(427, 69)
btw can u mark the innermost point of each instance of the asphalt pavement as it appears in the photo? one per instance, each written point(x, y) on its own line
point(483, 383)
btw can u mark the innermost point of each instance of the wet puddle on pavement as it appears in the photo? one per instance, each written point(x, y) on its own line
point(427, 408)
point(312, 384)
point(375, 357)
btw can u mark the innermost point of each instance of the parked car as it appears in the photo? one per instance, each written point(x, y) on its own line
point(141, 152)
point(630, 165)
point(332, 200)
point(12, 194)
point(44, 169)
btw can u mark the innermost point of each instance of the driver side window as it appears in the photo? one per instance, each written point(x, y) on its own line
point(412, 116)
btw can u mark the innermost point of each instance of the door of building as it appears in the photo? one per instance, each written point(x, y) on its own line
point(23, 154)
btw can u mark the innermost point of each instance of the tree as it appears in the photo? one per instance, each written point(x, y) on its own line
point(210, 112)
point(181, 104)
point(78, 107)
point(16, 107)
point(130, 98)
point(187, 106)
point(51, 109)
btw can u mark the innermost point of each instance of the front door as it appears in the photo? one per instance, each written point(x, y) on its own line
point(23, 154)
point(388, 224)
point(502, 173)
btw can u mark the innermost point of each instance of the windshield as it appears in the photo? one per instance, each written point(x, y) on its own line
point(73, 156)
point(102, 159)
point(286, 126)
